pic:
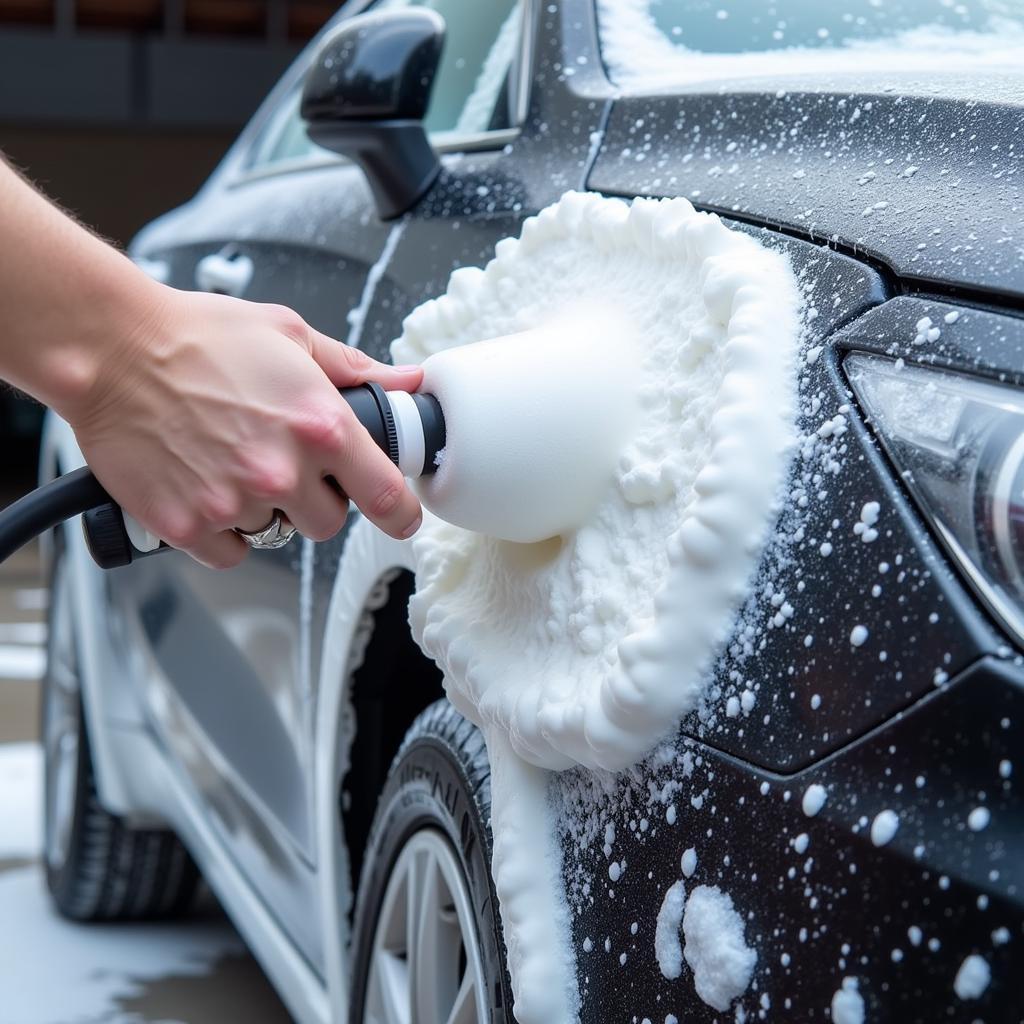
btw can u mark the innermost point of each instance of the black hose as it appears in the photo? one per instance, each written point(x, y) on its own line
point(42, 509)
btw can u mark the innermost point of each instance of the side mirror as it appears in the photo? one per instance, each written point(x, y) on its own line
point(366, 95)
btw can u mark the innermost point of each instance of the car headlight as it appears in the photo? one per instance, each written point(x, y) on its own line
point(958, 444)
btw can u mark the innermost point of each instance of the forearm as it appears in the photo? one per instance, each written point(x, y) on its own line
point(71, 304)
point(198, 413)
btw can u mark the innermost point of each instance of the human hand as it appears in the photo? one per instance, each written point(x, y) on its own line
point(212, 412)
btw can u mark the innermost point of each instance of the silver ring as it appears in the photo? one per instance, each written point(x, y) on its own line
point(274, 535)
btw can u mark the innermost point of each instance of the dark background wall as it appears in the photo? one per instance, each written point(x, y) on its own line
point(120, 109)
point(113, 178)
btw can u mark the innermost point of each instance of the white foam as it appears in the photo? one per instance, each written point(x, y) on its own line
point(21, 797)
point(642, 58)
point(357, 314)
point(972, 978)
point(721, 961)
point(54, 970)
point(534, 426)
point(586, 648)
point(688, 862)
point(978, 819)
point(848, 1004)
point(884, 827)
point(667, 948)
point(814, 799)
point(527, 869)
point(476, 114)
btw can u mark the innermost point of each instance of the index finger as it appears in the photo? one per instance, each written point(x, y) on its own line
point(374, 483)
point(347, 366)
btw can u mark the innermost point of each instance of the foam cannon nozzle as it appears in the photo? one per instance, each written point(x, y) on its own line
point(409, 429)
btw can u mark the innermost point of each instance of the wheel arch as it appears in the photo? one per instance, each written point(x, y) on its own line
point(393, 682)
point(368, 598)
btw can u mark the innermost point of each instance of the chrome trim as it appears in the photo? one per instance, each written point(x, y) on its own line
point(990, 595)
point(475, 143)
point(1002, 609)
point(1001, 509)
point(520, 82)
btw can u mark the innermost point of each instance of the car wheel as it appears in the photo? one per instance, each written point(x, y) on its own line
point(97, 868)
point(427, 939)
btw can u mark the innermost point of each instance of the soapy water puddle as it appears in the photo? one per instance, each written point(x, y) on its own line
point(193, 971)
point(210, 998)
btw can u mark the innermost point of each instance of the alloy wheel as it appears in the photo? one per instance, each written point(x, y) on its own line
point(61, 723)
point(425, 963)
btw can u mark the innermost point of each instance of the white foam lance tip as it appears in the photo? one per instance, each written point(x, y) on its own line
point(535, 425)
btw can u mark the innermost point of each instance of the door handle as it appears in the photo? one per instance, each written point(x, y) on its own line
point(225, 274)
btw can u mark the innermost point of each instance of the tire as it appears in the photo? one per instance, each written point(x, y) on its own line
point(435, 805)
point(97, 867)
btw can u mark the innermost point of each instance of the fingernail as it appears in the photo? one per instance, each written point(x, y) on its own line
point(412, 528)
point(412, 368)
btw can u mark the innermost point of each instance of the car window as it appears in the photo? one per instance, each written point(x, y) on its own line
point(471, 87)
point(654, 44)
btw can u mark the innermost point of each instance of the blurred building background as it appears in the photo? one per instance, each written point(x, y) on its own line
point(119, 109)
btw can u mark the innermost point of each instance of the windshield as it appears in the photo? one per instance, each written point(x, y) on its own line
point(652, 44)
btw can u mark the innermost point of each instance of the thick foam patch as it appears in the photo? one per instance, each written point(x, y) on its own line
point(535, 423)
point(587, 648)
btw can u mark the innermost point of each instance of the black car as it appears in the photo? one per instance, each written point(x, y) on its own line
point(835, 832)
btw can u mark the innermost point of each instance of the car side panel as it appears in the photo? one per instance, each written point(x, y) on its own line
point(235, 656)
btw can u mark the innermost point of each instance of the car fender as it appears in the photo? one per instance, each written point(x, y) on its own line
point(368, 557)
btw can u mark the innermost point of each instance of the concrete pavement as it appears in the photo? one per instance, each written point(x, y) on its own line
point(196, 971)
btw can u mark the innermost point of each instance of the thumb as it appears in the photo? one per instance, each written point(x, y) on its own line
point(347, 366)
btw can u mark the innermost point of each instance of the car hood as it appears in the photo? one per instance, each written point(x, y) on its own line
point(924, 177)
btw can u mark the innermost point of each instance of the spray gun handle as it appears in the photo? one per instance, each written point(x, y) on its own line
point(409, 429)
point(114, 539)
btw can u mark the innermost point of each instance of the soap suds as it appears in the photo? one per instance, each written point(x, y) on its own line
point(978, 819)
point(721, 961)
point(865, 526)
point(527, 868)
point(586, 648)
point(643, 59)
point(848, 1004)
point(814, 799)
point(688, 862)
point(972, 978)
point(479, 107)
point(357, 314)
point(667, 948)
point(884, 827)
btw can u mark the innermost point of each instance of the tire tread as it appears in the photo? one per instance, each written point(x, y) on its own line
point(112, 871)
point(440, 727)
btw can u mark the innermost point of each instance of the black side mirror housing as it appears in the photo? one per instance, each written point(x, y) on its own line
point(366, 96)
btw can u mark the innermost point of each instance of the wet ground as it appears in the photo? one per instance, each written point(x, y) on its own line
point(196, 971)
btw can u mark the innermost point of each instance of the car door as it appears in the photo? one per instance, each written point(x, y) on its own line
point(233, 656)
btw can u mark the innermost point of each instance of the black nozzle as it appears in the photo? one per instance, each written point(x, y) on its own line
point(434, 433)
point(376, 411)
